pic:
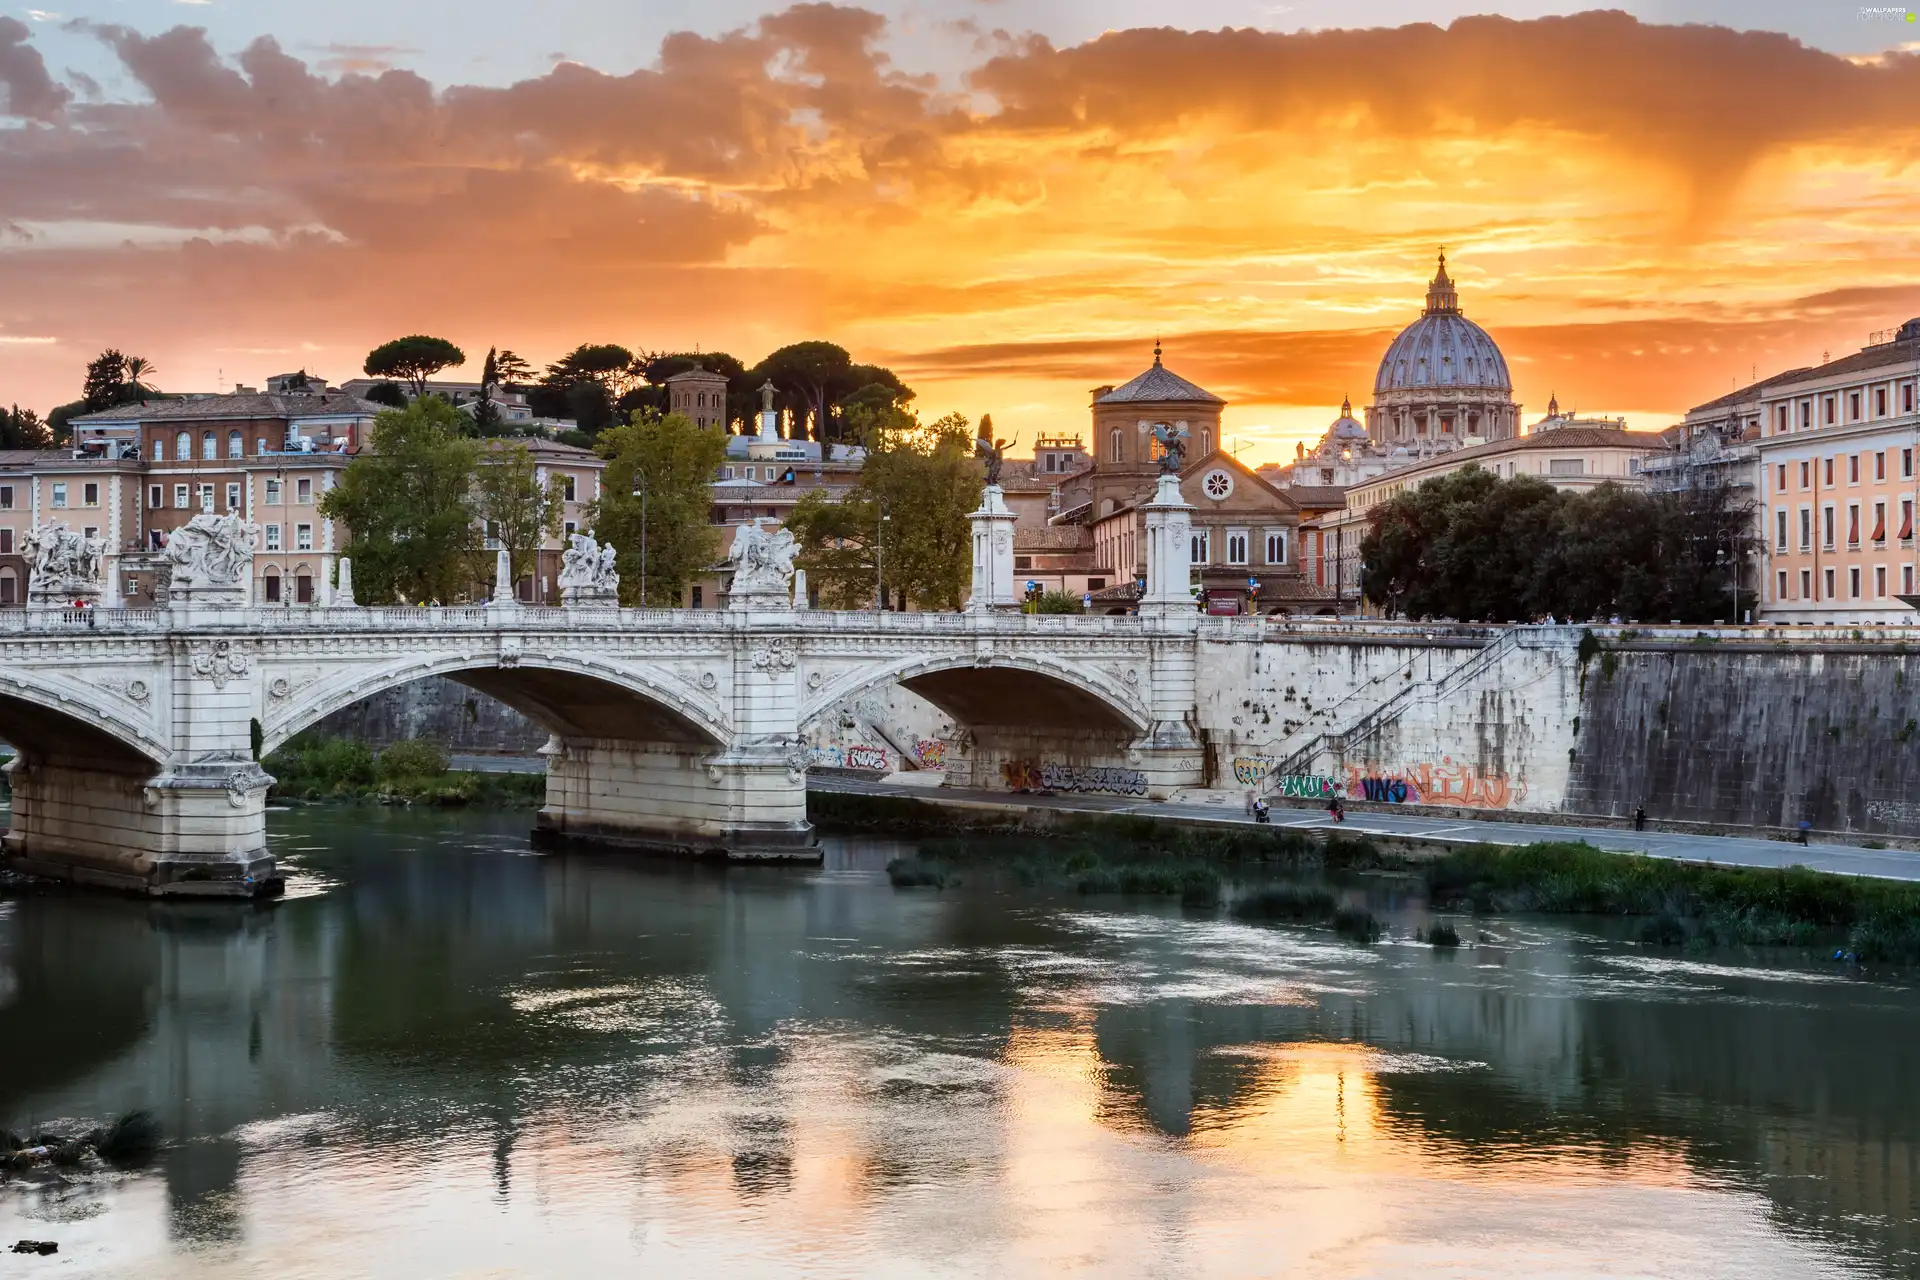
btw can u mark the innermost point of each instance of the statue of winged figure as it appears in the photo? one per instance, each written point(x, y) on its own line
point(1173, 447)
point(992, 450)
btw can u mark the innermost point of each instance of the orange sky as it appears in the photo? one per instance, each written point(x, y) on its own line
point(1640, 214)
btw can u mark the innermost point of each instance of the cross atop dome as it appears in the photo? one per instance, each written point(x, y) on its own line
point(1440, 294)
point(1156, 351)
point(1346, 406)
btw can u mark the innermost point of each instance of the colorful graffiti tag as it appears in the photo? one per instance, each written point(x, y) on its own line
point(1309, 786)
point(858, 756)
point(1025, 775)
point(1444, 783)
point(1250, 771)
point(930, 753)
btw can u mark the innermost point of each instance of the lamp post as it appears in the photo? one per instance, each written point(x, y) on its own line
point(880, 560)
point(1728, 537)
point(640, 492)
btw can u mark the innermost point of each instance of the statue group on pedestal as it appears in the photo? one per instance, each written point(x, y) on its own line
point(587, 575)
point(762, 565)
point(67, 566)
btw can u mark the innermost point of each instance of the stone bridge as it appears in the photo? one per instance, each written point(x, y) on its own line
point(139, 732)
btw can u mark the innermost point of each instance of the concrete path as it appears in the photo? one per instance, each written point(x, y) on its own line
point(497, 764)
point(1737, 851)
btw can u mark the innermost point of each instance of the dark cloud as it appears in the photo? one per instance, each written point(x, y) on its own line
point(30, 91)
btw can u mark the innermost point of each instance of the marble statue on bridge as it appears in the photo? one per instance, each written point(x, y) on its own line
point(211, 558)
point(66, 566)
point(587, 573)
point(762, 565)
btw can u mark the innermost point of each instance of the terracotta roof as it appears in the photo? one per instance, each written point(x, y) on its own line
point(255, 405)
point(1159, 385)
point(1058, 537)
point(1316, 495)
point(1752, 390)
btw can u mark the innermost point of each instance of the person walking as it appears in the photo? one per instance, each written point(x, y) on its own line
point(1640, 818)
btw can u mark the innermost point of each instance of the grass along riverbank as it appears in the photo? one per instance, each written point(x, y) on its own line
point(316, 769)
point(1674, 904)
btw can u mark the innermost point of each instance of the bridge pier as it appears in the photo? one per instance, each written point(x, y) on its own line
point(677, 798)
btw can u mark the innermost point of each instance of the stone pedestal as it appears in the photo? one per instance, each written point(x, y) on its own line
point(992, 553)
point(343, 591)
point(42, 594)
point(503, 597)
point(1169, 552)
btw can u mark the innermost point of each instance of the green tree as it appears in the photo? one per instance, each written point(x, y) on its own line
point(586, 385)
point(516, 507)
point(1058, 602)
point(114, 379)
point(923, 479)
point(387, 393)
point(512, 370)
point(60, 419)
point(811, 376)
point(414, 359)
point(408, 503)
point(676, 461)
point(22, 429)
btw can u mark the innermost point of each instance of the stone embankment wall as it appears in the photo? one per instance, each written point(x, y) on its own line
point(1753, 735)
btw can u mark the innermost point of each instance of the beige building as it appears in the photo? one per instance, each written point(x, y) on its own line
point(1838, 487)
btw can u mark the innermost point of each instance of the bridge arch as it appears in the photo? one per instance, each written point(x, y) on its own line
point(1004, 691)
point(573, 698)
point(71, 724)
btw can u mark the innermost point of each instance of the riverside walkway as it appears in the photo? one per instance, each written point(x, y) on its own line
point(1726, 851)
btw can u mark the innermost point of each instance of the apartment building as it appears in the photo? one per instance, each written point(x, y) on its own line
point(1838, 485)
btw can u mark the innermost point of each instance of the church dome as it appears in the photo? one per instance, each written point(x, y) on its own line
point(1346, 428)
point(1442, 349)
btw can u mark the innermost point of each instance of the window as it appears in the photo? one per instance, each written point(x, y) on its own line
point(1826, 526)
point(1853, 583)
point(303, 588)
point(1906, 464)
point(6, 542)
point(8, 586)
point(1906, 398)
point(1853, 524)
point(1022, 563)
point(1237, 546)
point(1206, 441)
point(233, 495)
point(91, 531)
point(206, 497)
point(1906, 519)
point(1879, 402)
point(1780, 589)
point(1276, 546)
point(273, 537)
point(1879, 522)
point(59, 493)
point(1826, 472)
point(156, 496)
point(1201, 552)
point(6, 497)
point(303, 537)
point(272, 584)
point(1853, 468)
point(303, 490)
point(1806, 583)
point(1853, 406)
point(1780, 420)
point(273, 493)
point(1827, 409)
point(751, 472)
point(236, 447)
point(1828, 584)
point(1096, 584)
point(1113, 445)
point(1782, 486)
point(90, 494)
point(180, 497)
point(1880, 582)
point(1806, 414)
point(1880, 464)
point(568, 486)
point(1906, 579)
point(209, 447)
point(569, 529)
point(1567, 467)
point(698, 601)
point(183, 447)
point(1805, 482)
point(159, 449)
point(260, 445)
point(1780, 529)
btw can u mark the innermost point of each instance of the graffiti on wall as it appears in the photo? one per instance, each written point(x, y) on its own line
point(1250, 771)
point(930, 753)
point(1026, 775)
point(857, 756)
point(1446, 783)
point(1309, 786)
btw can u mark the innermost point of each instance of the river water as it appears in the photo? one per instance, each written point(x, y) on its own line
point(446, 1056)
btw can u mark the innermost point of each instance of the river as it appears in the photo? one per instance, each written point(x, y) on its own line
point(444, 1055)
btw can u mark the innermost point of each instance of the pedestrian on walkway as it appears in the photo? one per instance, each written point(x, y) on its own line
point(1805, 827)
point(1640, 818)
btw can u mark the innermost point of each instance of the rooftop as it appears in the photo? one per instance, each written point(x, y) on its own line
point(1158, 385)
point(253, 405)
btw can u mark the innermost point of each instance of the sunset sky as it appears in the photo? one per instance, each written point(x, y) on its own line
point(1004, 200)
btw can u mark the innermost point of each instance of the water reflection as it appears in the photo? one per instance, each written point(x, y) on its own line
point(452, 1055)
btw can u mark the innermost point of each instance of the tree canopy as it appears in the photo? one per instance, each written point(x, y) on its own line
point(516, 509)
point(675, 459)
point(819, 381)
point(115, 379)
point(22, 429)
point(1471, 545)
point(414, 359)
point(924, 479)
point(409, 506)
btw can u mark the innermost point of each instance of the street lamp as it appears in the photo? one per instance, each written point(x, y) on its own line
point(1729, 538)
point(640, 492)
point(880, 560)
